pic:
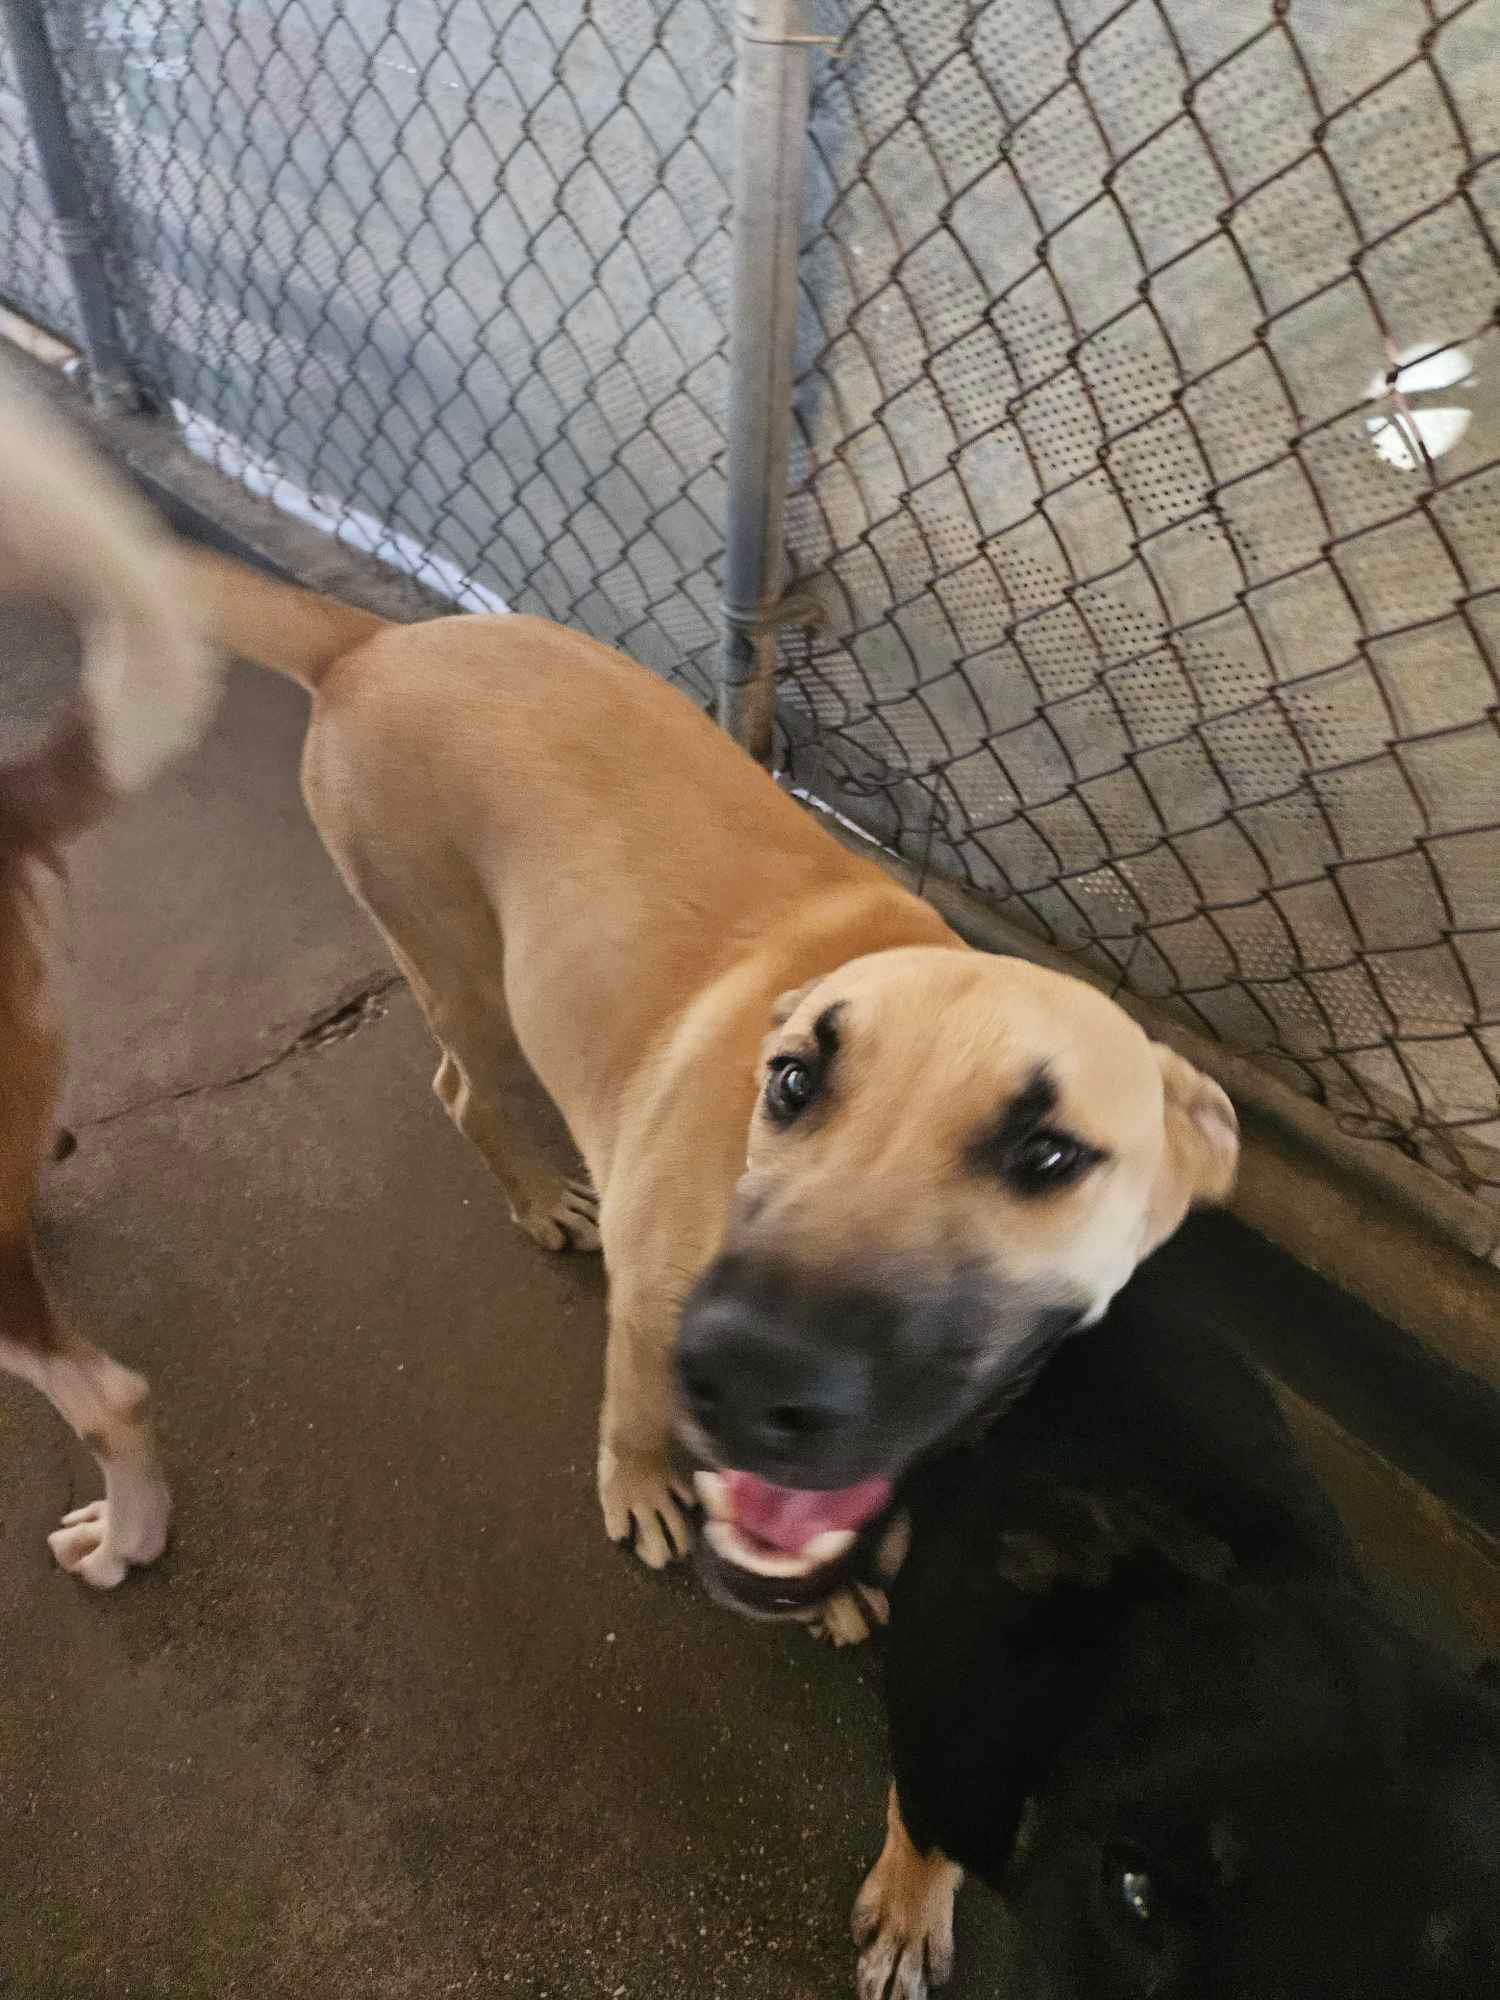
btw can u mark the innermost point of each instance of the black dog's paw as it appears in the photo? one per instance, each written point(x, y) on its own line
point(903, 1918)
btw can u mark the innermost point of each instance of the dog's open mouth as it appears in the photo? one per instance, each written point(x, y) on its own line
point(776, 1541)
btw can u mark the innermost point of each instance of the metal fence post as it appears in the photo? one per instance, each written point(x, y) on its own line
point(773, 50)
point(111, 381)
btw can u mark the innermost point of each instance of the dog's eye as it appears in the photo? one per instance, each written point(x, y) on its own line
point(1138, 1894)
point(790, 1088)
point(1146, 1913)
point(1048, 1159)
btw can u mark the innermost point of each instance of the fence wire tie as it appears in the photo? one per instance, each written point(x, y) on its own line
point(798, 607)
point(71, 235)
point(748, 26)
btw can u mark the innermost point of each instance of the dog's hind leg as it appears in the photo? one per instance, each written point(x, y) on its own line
point(105, 1404)
point(560, 1212)
point(443, 936)
point(476, 1068)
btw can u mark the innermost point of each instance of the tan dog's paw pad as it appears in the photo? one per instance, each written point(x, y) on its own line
point(567, 1220)
point(645, 1506)
point(850, 1616)
point(88, 1544)
point(903, 1924)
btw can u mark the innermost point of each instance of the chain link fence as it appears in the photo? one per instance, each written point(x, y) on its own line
point(1147, 438)
point(32, 272)
point(1149, 431)
point(452, 278)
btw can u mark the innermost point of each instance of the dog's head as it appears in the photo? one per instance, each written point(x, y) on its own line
point(1255, 1804)
point(955, 1161)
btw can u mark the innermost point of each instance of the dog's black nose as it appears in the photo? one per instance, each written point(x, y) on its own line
point(769, 1400)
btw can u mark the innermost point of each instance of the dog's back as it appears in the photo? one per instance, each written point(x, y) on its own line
point(1136, 1409)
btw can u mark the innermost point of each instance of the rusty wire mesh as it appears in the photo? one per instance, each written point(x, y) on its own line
point(1150, 475)
point(1148, 458)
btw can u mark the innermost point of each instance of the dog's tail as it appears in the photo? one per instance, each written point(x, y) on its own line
point(72, 531)
point(293, 631)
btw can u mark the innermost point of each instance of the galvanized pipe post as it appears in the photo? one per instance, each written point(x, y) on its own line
point(111, 381)
point(773, 54)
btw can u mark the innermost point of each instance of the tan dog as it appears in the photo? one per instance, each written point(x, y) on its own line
point(867, 1205)
point(69, 531)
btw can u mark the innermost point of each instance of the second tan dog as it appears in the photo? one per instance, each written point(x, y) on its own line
point(71, 531)
point(865, 1174)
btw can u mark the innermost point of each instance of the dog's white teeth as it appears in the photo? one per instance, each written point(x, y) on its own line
point(713, 1494)
point(725, 1539)
point(722, 1539)
point(828, 1546)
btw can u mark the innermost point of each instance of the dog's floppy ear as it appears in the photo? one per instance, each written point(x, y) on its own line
point(1202, 1145)
point(1082, 1540)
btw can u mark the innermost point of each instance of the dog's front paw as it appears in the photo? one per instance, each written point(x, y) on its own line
point(850, 1616)
point(643, 1504)
point(567, 1218)
point(90, 1544)
point(903, 1920)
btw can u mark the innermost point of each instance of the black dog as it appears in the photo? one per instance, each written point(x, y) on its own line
point(1134, 1686)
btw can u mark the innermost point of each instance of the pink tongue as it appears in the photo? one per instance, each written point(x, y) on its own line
point(788, 1519)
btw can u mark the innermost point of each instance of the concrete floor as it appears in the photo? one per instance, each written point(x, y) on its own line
point(390, 1719)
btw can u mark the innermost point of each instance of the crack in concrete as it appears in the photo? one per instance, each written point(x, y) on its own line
point(334, 1023)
